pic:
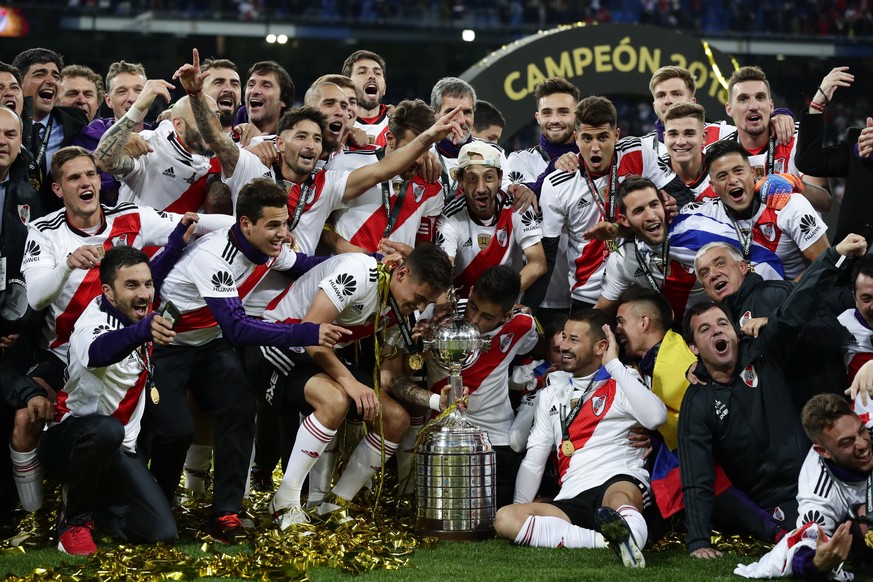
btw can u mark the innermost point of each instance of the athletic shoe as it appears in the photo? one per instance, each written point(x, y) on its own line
point(285, 517)
point(262, 480)
point(227, 528)
point(76, 540)
point(618, 535)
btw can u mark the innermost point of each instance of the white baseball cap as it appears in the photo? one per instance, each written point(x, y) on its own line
point(487, 155)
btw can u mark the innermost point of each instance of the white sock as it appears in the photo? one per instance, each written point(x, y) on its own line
point(28, 478)
point(197, 467)
point(406, 454)
point(636, 522)
point(363, 464)
point(312, 438)
point(542, 531)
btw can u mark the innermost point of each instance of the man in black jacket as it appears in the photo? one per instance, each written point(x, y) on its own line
point(842, 159)
point(41, 78)
point(745, 414)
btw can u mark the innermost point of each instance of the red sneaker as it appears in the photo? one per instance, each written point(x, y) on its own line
point(76, 539)
point(227, 528)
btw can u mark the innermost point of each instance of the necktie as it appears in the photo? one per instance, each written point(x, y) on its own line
point(36, 143)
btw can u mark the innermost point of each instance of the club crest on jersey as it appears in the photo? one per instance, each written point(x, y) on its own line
point(120, 240)
point(417, 192)
point(502, 237)
point(24, 213)
point(750, 377)
point(598, 403)
point(778, 514)
point(768, 229)
point(484, 240)
point(745, 318)
point(506, 342)
point(779, 166)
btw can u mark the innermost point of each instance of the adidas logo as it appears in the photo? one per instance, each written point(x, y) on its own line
point(358, 308)
point(553, 411)
point(583, 203)
point(468, 243)
point(312, 454)
point(639, 273)
point(169, 173)
point(222, 282)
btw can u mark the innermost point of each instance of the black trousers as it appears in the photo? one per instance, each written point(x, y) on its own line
point(104, 482)
point(214, 374)
point(506, 463)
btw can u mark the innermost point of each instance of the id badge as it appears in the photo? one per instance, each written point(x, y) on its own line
point(2, 273)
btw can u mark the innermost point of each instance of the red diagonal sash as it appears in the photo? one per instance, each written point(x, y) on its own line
point(193, 199)
point(488, 258)
point(90, 286)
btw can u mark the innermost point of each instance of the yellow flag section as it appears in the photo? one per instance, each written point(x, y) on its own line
point(669, 383)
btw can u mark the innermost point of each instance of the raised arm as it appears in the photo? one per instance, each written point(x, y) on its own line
point(219, 142)
point(110, 154)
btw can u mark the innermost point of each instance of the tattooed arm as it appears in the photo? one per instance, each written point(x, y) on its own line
point(110, 151)
point(206, 116)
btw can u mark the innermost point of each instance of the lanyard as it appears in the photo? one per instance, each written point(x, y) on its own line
point(392, 213)
point(449, 190)
point(771, 152)
point(566, 421)
point(665, 261)
point(608, 209)
point(403, 324)
point(745, 240)
point(36, 163)
point(305, 191)
point(144, 355)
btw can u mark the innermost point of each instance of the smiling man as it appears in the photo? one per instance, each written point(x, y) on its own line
point(269, 93)
point(794, 231)
point(345, 290)
point(745, 414)
point(58, 126)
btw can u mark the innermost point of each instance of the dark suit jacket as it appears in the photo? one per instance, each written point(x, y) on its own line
point(838, 160)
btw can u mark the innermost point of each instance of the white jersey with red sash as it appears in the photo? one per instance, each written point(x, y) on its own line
point(449, 176)
point(476, 247)
point(351, 282)
point(859, 351)
point(489, 407)
point(375, 127)
point(213, 266)
point(51, 239)
point(568, 203)
point(115, 390)
point(787, 232)
point(169, 177)
point(598, 432)
point(697, 190)
point(324, 191)
point(524, 166)
point(363, 222)
point(763, 161)
point(713, 131)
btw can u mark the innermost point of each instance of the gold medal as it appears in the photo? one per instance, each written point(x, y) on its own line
point(156, 396)
point(416, 361)
point(567, 448)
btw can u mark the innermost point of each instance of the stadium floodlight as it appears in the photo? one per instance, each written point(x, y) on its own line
point(468, 35)
point(271, 38)
point(282, 39)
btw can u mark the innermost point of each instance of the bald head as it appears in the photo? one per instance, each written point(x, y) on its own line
point(10, 140)
point(186, 128)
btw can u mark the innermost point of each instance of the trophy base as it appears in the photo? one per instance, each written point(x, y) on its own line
point(437, 529)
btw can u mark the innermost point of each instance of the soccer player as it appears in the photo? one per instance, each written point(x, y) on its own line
point(585, 203)
point(661, 256)
point(480, 229)
point(684, 138)
point(790, 228)
point(750, 106)
point(60, 256)
point(346, 290)
point(367, 70)
point(269, 94)
point(91, 447)
point(586, 411)
point(403, 209)
point(859, 320)
point(173, 175)
point(556, 100)
point(312, 194)
point(741, 415)
point(490, 308)
point(209, 286)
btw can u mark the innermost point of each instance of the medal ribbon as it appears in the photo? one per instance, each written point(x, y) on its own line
point(566, 421)
point(665, 257)
point(392, 213)
point(608, 209)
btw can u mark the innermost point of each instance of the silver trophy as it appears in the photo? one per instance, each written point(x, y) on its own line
point(455, 470)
